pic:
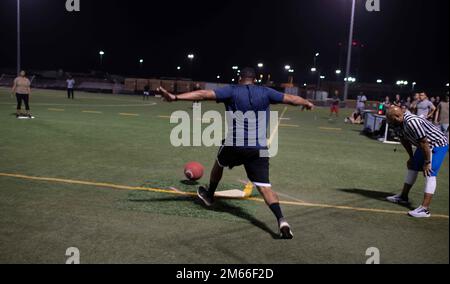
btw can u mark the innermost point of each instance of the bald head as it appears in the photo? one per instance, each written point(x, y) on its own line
point(395, 115)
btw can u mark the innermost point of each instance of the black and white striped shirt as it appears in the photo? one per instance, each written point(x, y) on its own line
point(416, 129)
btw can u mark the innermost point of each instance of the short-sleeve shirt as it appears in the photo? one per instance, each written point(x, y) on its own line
point(22, 85)
point(361, 102)
point(336, 101)
point(249, 107)
point(424, 108)
point(70, 83)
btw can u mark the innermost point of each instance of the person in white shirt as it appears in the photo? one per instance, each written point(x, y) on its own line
point(360, 107)
point(70, 88)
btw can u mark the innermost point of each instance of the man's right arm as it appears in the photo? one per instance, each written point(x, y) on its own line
point(408, 147)
point(297, 101)
point(200, 95)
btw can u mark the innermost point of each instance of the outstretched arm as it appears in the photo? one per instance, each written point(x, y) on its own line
point(297, 101)
point(200, 95)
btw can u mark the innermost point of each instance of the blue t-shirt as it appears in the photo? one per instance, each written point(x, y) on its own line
point(248, 113)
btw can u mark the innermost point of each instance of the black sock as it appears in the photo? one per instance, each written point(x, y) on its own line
point(276, 209)
point(212, 188)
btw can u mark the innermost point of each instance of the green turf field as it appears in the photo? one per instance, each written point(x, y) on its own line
point(333, 179)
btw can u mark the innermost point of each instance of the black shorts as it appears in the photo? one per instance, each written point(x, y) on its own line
point(257, 167)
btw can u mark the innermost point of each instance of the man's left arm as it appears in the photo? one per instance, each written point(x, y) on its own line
point(297, 101)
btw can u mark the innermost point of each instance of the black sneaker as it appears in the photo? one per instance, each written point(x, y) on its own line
point(285, 231)
point(205, 196)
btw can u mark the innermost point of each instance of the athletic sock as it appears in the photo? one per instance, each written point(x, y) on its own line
point(212, 188)
point(276, 209)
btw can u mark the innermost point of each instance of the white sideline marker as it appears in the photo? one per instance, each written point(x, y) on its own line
point(234, 193)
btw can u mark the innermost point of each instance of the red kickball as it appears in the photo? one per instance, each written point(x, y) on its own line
point(194, 171)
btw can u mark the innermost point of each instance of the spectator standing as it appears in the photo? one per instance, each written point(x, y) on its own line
point(22, 89)
point(70, 87)
point(398, 102)
point(335, 104)
point(442, 115)
point(425, 107)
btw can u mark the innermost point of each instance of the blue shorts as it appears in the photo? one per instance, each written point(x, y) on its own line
point(438, 155)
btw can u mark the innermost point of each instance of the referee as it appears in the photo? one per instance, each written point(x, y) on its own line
point(22, 89)
point(432, 148)
point(242, 150)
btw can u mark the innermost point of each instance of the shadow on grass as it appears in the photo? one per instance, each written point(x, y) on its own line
point(189, 182)
point(219, 206)
point(377, 195)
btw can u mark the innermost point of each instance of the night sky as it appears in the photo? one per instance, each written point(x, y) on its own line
point(408, 39)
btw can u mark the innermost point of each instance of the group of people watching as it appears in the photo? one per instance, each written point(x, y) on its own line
point(434, 109)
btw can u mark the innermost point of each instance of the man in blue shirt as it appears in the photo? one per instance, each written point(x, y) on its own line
point(249, 106)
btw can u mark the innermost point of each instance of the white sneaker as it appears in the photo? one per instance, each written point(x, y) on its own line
point(285, 231)
point(420, 212)
point(398, 199)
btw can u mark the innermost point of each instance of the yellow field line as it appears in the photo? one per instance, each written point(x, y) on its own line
point(128, 114)
point(272, 136)
point(56, 109)
point(92, 111)
point(289, 125)
point(124, 187)
point(330, 128)
point(348, 208)
point(96, 184)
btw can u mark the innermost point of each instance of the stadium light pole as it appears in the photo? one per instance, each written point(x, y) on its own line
point(18, 38)
point(261, 71)
point(338, 74)
point(315, 59)
point(101, 53)
point(191, 58)
point(349, 52)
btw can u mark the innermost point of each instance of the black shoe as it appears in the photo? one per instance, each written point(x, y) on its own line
point(285, 231)
point(205, 196)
